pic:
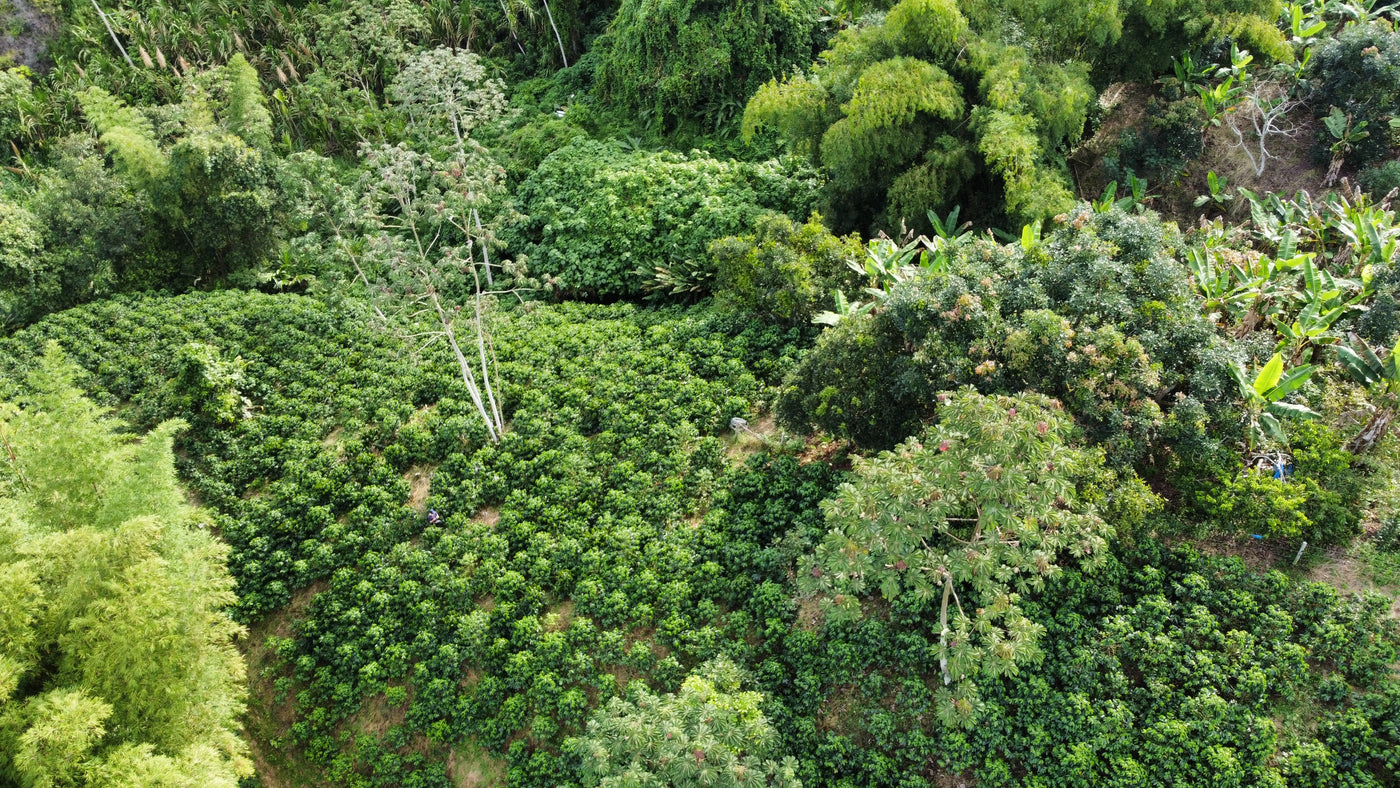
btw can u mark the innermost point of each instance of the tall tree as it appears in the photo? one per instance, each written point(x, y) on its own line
point(692, 63)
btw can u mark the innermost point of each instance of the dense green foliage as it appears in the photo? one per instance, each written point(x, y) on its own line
point(709, 733)
point(679, 62)
point(1358, 73)
point(116, 653)
point(619, 545)
point(784, 271)
point(1099, 315)
point(932, 103)
point(986, 503)
point(599, 222)
point(1163, 663)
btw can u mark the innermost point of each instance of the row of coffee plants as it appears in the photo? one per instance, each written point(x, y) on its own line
point(609, 461)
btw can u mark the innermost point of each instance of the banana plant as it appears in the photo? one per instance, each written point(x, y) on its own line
point(1312, 327)
point(1381, 379)
point(1264, 397)
point(946, 228)
point(1346, 133)
point(1303, 25)
point(1324, 303)
point(1134, 201)
point(1031, 235)
point(1264, 287)
point(844, 309)
point(1188, 75)
point(1275, 219)
point(887, 263)
point(1369, 229)
point(1238, 68)
point(1219, 196)
point(1219, 98)
point(1215, 283)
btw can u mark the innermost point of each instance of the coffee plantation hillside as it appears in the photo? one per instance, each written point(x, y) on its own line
point(614, 535)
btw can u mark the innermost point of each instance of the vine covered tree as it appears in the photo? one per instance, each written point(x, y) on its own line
point(939, 101)
point(965, 520)
point(885, 113)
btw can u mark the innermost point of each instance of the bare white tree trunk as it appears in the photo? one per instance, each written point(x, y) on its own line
point(113, 34)
point(490, 417)
point(481, 349)
point(943, 631)
point(485, 255)
point(550, 14)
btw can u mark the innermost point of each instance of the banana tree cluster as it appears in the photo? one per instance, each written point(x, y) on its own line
point(1352, 230)
point(887, 264)
point(1302, 301)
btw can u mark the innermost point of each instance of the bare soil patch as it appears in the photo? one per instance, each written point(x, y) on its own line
point(470, 766)
point(1338, 567)
point(841, 713)
point(419, 478)
point(743, 443)
point(1125, 107)
point(25, 31)
point(558, 618)
point(377, 715)
point(809, 614)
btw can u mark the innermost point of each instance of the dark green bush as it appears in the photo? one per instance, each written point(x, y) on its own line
point(1380, 324)
point(1358, 72)
point(1388, 537)
point(1100, 315)
point(857, 383)
point(1319, 499)
point(1381, 179)
point(600, 221)
point(1163, 145)
point(692, 63)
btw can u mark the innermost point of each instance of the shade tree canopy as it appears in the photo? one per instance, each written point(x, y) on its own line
point(966, 519)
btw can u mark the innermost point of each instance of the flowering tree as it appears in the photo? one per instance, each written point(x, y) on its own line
point(971, 517)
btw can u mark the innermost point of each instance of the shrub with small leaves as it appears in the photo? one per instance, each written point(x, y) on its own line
point(710, 733)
